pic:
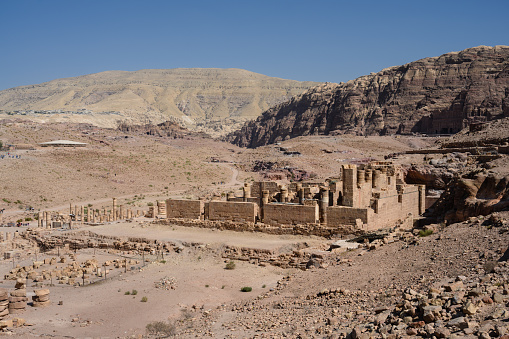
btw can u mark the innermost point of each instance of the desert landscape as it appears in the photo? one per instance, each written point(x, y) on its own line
point(376, 208)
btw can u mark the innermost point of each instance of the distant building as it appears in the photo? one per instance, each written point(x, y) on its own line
point(62, 143)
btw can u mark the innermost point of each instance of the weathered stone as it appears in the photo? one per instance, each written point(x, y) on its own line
point(498, 298)
point(469, 308)
point(460, 322)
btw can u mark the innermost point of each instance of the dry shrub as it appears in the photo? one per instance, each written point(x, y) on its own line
point(161, 328)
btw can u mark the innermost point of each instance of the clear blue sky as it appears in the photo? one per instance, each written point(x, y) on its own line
point(333, 41)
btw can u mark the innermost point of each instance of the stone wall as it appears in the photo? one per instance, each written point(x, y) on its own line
point(189, 209)
point(233, 211)
point(259, 186)
point(341, 215)
point(290, 214)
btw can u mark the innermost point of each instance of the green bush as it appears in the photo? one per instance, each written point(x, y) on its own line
point(144, 299)
point(230, 265)
point(134, 292)
point(425, 233)
point(246, 289)
point(127, 293)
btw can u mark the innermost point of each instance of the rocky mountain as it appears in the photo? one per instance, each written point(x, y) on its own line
point(438, 95)
point(210, 100)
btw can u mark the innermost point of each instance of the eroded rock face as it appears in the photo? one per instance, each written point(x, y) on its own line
point(470, 197)
point(432, 95)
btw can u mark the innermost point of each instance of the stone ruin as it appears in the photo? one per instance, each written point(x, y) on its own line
point(364, 198)
point(86, 214)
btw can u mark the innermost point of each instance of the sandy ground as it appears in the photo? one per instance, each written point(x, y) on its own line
point(103, 310)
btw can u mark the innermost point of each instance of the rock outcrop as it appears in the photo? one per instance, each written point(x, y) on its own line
point(438, 95)
point(466, 197)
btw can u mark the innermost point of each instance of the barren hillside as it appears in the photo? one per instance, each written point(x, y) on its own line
point(203, 99)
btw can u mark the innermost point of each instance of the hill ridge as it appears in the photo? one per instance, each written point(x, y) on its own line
point(203, 99)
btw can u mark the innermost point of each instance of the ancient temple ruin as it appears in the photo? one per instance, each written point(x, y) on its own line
point(365, 197)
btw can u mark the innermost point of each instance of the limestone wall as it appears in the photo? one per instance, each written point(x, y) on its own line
point(391, 206)
point(233, 211)
point(259, 186)
point(182, 208)
point(341, 215)
point(290, 214)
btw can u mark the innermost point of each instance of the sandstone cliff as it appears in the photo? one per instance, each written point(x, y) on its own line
point(432, 95)
point(211, 100)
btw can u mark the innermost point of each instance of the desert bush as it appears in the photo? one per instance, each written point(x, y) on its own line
point(161, 328)
point(425, 233)
point(144, 299)
point(246, 289)
point(230, 265)
point(127, 293)
point(134, 292)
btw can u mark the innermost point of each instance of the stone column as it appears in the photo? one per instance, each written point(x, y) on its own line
point(247, 192)
point(361, 178)
point(121, 212)
point(40, 215)
point(114, 211)
point(369, 176)
point(422, 199)
point(377, 179)
point(48, 220)
point(284, 194)
point(265, 201)
point(300, 193)
point(82, 212)
point(70, 208)
point(324, 204)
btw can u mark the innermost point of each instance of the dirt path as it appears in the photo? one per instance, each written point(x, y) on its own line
point(235, 173)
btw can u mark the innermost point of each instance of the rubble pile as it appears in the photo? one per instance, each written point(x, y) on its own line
point(41, 298)
point(166, 283)
point(4, 303)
